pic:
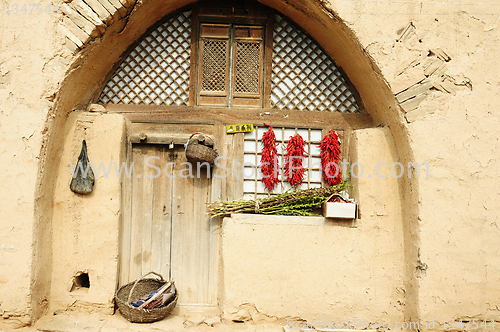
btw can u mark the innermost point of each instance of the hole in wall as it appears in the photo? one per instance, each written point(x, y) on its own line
point(81, 283)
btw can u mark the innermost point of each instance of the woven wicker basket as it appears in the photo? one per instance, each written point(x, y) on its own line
point(134, 291)
point(200, 153)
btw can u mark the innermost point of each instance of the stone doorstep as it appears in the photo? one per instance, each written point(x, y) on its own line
point(95, 322)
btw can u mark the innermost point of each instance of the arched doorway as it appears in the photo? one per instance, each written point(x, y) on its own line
point(204, 67)
point(376, 96)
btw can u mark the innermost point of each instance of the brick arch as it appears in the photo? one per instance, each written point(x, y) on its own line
point(107, 39)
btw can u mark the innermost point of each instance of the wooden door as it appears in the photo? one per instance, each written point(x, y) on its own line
point(166, 228)
point(190, 256)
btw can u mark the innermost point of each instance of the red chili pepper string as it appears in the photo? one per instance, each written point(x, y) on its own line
point(294, 159)
point(269, 159)
point(330, 156)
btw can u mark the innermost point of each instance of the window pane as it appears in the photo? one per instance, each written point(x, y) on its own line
point(304, 77)
point(247, 68)
point(214, 65)
point(253, 187)
point(161, 58)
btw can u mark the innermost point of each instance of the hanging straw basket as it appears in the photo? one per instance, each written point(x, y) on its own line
point(201, 148)
point(136, 290)
point(200, 153)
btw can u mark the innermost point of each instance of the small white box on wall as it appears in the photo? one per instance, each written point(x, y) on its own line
point(339, 210)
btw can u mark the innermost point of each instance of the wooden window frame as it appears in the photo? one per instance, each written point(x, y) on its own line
point(256, 17)
point(226, 115)
point(212, 32)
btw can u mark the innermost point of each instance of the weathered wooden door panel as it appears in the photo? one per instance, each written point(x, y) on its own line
point(191, 233)
point(151, 212)
point(166, 228)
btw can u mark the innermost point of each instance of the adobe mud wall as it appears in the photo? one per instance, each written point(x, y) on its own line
point(436, 58)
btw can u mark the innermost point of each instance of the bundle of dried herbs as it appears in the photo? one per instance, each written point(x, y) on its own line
point(296, 203)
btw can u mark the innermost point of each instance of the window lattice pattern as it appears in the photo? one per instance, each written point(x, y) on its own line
point(304, 77)
point(214, 65)
point(247, 67)
point(157, 69)
point(253, 186)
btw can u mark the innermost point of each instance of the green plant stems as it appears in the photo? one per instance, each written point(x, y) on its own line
point(296, 203)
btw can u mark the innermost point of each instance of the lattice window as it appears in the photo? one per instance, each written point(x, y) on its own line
point(157, 70)
point(247, 67)
point(225, 49)
point(304, 77)
point(253, 187)
point(214, 65)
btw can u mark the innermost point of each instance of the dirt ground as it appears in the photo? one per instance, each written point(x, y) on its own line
point(96, 322)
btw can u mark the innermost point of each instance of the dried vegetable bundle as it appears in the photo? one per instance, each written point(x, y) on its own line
point(330, 157)
point(293, 170)
point(296, 203)
point(269, 159)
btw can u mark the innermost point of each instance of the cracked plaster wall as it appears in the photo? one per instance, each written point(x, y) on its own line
point(454, 128)
point(309, 268)
point(450, 119)
point(86, 227)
